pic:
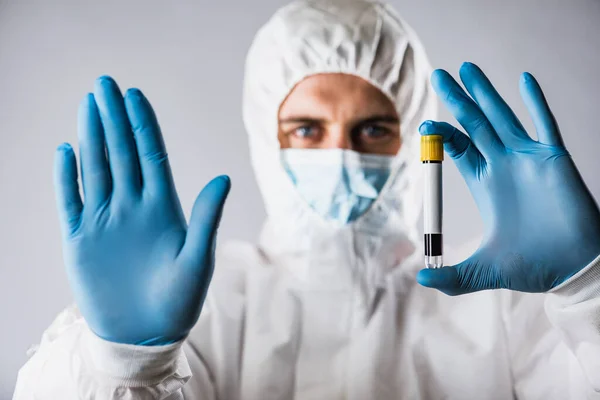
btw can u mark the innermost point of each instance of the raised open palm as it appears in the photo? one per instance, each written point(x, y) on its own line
point(138, 272)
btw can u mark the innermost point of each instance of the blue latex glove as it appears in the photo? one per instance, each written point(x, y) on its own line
point(541, 223)
point(139, 274)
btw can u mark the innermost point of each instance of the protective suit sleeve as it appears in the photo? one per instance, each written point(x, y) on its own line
point(574, 308)
point(71, 362)
point(556, 354)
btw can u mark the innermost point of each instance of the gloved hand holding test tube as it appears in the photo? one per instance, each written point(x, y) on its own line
point(519, 186)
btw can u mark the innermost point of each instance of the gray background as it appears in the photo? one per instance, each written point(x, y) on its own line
point(188, 57)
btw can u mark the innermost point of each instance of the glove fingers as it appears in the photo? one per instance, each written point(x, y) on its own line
point(66, 188)
point(204, 222)
point(122, 153)
point(458, 146)
point(503, 119)
point(152, 153)
point(95, 174)
point(467, 113)
point(543, 119)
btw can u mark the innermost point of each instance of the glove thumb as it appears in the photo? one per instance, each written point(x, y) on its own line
point(444, 279)
point(200, 241)
point(467, 277)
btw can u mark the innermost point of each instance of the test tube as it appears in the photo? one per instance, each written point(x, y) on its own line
point(432, 155)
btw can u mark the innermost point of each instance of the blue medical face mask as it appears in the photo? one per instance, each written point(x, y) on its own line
point(338, 184)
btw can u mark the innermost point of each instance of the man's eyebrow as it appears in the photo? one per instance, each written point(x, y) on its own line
point(390, 119)
point(301, 120)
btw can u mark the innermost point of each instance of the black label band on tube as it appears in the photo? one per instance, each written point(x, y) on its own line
point(433, 244)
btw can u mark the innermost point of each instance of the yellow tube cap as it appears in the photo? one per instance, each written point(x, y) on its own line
point(432, 148)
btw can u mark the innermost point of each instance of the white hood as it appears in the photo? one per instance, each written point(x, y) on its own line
point(357, 37)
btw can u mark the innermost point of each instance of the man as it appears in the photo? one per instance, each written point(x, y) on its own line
point(326, 305)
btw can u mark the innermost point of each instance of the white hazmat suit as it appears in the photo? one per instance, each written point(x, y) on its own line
point(318, 310)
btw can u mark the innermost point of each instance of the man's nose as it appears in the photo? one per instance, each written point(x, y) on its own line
point(338, 138)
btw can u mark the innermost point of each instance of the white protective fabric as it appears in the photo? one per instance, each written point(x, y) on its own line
point(318, 311)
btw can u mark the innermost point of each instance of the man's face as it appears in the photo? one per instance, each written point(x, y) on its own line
point(341, 111)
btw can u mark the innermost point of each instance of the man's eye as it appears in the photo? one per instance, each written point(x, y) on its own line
point(374, 132)
point(305, 132)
